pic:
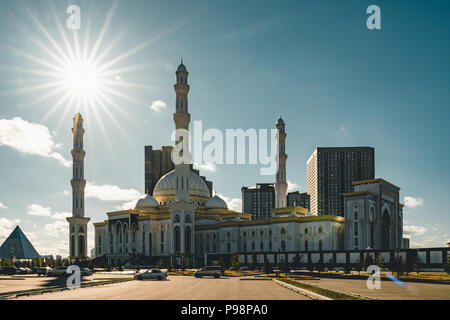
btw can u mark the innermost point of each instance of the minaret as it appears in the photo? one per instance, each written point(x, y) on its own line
point(280, 184)
point(181, 117)
point(78, 223)
point(182, 208)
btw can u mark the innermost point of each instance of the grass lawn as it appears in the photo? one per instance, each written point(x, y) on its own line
point(324, 292)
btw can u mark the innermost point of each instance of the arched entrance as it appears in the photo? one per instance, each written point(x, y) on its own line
point(177, 239)
point(386, 236)
point(81, 245)
point(187, 240)
point(72, 245)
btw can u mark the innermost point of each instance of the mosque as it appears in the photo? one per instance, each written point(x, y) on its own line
point(181, 219)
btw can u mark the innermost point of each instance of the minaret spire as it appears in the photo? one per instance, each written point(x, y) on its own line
point(280, 183)
point(182, 117)
point(78, 223)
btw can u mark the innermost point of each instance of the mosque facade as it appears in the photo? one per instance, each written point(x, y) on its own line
point(181, 218)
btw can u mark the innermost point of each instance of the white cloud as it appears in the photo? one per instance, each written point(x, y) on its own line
point(209, 166)
point(61, 215)
point(234, 204)
point(66, 192)
point(157, 105)
point(412, 202)
point(2, 206)
point(57, 228)
point(31, 138)
point(108, 192)
point(292, 186)
point(6, 227)
point(128, 205)
point(413, 230)
point(37, 210)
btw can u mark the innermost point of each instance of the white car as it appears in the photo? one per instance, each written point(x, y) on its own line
point(57, 272)
point(151, 274)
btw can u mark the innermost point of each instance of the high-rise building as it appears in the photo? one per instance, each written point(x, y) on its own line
point(158, 163)
point(258, 201)
point(78, 222)
point(298, 199)
point(331, 172)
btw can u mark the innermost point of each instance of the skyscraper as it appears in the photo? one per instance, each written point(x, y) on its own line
point(78, 222)
point(331, 172)
point(258, 201)
point(158, 163)
point(298, 199)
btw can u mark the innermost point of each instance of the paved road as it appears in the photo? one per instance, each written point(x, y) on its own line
point(31, 281)
point(388, 291)
point(179, 288)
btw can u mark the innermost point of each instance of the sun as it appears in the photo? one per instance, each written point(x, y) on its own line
point(82, 79)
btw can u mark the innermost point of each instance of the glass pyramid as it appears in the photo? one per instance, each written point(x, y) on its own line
point(17, 245)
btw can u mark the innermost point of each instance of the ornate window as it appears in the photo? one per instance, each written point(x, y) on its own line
point(176, 219)
point(283, 246)
point(283, 231)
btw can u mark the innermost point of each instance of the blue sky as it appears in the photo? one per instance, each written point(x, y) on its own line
point(335, 82)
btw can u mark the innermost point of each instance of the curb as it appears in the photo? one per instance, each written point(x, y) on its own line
point(55, 289)
point(304, 292)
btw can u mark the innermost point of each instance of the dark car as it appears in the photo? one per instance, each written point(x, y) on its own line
point(8, 270)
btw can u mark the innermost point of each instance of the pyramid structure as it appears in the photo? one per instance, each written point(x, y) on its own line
point(17, 245)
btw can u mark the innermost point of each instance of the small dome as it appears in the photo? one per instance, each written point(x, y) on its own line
point(216, 202)
point(280, 121)
point(146, 202)
point(182, 67)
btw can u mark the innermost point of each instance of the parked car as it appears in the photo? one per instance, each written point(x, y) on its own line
point(8, 270)
point(21, 271)
point(151, 274)
point(57, 272)
point(86, 272)
point(211, 271)
point(42, 271)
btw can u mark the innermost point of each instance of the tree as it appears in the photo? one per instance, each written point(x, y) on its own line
point(285, 267)
point(412, 262)
point(267, 266)
point(359, 265)
point(396, 264)
point(447, 264)
point(235, 262)
point(222, 262)
point(297, 261)
point(380, 261)
point(253, 262)
point(367, 261)
point(159, 265)
point(319, 266)
point(330, 264)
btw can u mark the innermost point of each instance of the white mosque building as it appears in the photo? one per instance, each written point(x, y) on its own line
point(181, 219)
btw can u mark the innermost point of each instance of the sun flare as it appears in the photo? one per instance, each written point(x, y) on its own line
point(82, 79)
